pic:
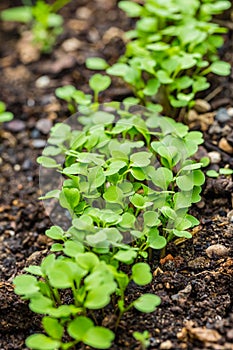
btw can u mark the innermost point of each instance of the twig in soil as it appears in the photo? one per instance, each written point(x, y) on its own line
point(213, 94)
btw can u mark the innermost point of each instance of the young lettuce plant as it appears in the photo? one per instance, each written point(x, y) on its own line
point(44, 22)
point(85, 281)
point(171, 50)
point(136, 168)
point(75, 98)
point(90, 283)
point(143, 338)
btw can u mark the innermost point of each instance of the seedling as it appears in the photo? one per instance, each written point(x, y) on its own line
point(138, 172)
point(91, 282)
point(4, 115)
point(42, 19)
point(143, 339)
point(222, 171)
point(171, 50)
point(77, 98)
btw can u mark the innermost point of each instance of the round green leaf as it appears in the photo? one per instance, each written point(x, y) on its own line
point(97, 298)
point(73, 248)
point(185, 182)
point(132, 9)
point(126, 256)
point(26, 285)
point(212, 173)
point(154, 239)
point(141, 274)
point(87, 260)
point(140, 159)
point(138, 174)
point(99, 82)
point(182, 234)
point(147, 303)
point(79, 327)
point(151, 218)
point(55, 232)
point(96, 63)
point(99, 337)
point(47, 162)
point(102, 118)
point(53, 327)
point(6, 117)
point(225, 171)
point(221, 68)
point(42, 342)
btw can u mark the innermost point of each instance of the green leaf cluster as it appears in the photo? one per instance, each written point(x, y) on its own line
point(42, 19)
point(171, 50)
point(137, 168)
point(90, 283)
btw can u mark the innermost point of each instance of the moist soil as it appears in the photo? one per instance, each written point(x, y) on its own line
point(194, 278)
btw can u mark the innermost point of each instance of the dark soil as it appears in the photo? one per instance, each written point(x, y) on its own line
point(195, 285)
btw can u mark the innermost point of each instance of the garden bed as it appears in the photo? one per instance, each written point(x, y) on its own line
point(195, 286)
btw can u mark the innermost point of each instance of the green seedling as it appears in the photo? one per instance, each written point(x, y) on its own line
point(171, 50)
point(141, 275)
point(143, 338)
point(75, 98)
point(222, 171)
point(4, 115)
point(91, 282)
point(42, 19)
point(139, 172)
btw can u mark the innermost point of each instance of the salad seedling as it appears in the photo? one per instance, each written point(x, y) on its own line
point(131, 166)
point(143, 338)
point(4, 115)
point(91, 282)
point(222, 171)
point(141, 275)
point(75, 98)
point(171, 50)
point(44, 22)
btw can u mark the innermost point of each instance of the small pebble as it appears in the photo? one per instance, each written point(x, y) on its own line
point(166, 345)
point(72, 44)
point(215, 128)
point(226, 130)
point(222, 116)
point(217, 250)
point(35, 134)
point(27, 164)
point(44, 125)
point(225, 146)
point(215, 157)
point(42, 82)
point(17, 167)
point(192, 115)
point(230, 334)
point(30, 102)
point(202, 106)
point(38, 143)
point(83, 12)
point(230, 111)
point(16, 125)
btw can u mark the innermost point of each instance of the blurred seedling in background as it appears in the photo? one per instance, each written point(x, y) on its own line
point(5, 116)
point(41, 19)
